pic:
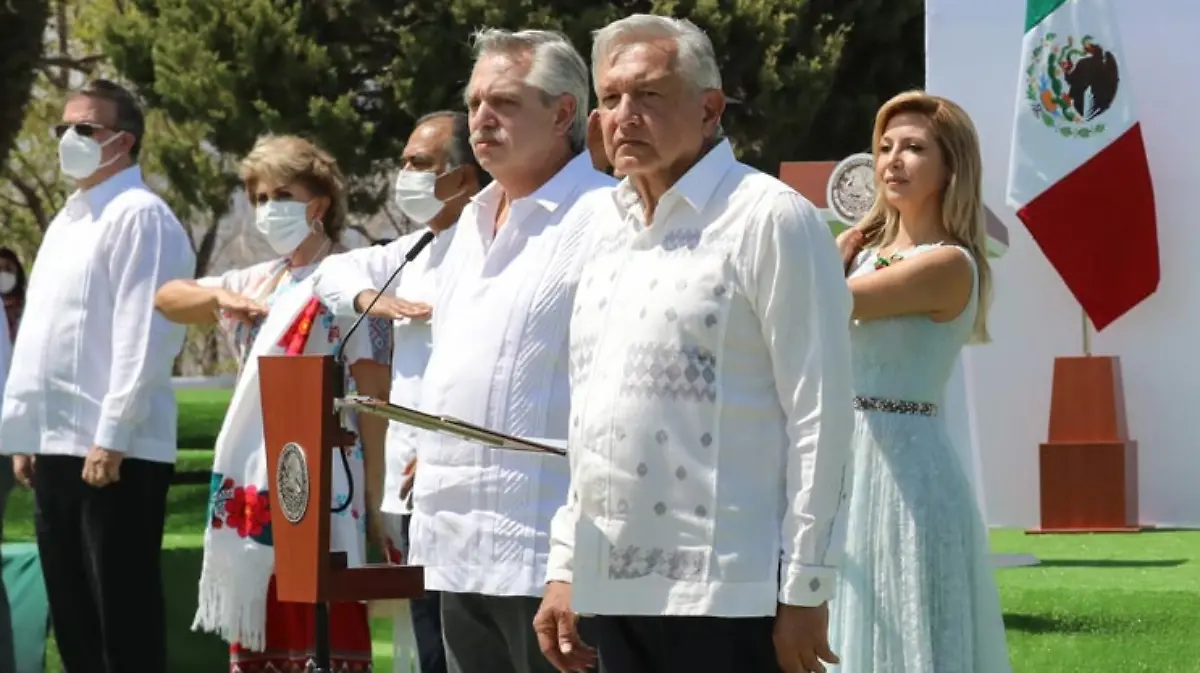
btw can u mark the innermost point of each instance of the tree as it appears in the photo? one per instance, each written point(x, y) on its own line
point(22, 23)
point(884, 55)
point(30, 188)
point(196, 180)
point(354, 74)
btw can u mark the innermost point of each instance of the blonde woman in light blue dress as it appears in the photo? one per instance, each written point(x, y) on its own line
point(917, 592)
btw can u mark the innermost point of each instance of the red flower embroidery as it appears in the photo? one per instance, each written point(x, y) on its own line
point(247, 511)
point(296, 337)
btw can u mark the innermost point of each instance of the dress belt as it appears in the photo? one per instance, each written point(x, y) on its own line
point(890, 406)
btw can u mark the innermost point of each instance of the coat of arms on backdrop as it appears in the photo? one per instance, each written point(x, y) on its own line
point(851, 189)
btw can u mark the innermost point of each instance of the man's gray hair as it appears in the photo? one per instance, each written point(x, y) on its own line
point(557, 68)
point(697, 60)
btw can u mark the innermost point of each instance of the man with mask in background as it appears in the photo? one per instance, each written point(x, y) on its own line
point(89, 395)
point(438, 176)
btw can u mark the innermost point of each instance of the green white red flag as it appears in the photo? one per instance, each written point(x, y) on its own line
point(1078, 176)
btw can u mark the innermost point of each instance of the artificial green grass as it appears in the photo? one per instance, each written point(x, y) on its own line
point(1119, 602)
point(200, 416)
point(1128, 603)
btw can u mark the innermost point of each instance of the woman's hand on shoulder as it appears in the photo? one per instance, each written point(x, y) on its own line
point(937, 283)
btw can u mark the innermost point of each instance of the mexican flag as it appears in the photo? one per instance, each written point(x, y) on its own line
point(1078, 176)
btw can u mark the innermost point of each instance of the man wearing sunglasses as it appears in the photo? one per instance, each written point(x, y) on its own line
point(88, 412)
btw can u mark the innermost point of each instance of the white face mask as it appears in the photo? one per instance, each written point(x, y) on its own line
point(79, 156)
point(284, 224)
point(8, 281)
point(415, 195)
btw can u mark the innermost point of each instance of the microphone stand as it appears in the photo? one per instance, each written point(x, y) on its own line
point(322, 659)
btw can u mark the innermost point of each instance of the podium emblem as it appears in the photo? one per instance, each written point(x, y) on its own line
point(850, 192)
point(291, 480)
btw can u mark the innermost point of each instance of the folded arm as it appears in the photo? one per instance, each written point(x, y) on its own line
point(937, 283)
point(145, 253)
point(799, 293)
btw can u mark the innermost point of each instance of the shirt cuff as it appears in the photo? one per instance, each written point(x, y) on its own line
point(341, 301)
point(114, 435)
point(558, 565)
point(807, 586)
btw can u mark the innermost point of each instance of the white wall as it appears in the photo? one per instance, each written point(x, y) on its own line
point(973, 57)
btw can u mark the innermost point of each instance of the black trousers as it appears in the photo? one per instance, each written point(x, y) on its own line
point(101, 557)
point(426, 618)
point(492, 634)
point(684, 644)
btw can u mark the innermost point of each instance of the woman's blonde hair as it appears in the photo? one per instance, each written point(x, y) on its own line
point(288, 159)
point(962, 200)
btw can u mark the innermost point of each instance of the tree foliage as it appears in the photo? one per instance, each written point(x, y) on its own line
point(22, 23)
point(191, 176)
point(354, 74)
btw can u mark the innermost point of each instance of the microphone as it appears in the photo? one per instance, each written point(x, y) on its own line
point(339, 361)
point(421, 244)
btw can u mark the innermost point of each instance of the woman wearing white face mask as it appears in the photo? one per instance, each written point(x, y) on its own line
point(12, 289)
point(299, 196)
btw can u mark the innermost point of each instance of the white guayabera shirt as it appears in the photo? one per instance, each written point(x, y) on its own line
point(481, 517)
point(92, 361)
point(481, 520)
point(711, 402)
point(340, 279)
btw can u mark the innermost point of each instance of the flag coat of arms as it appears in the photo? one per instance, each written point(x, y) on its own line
point(1078, 177)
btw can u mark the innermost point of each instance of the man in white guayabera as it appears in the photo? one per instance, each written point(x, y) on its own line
point(438, 177)
point(481, 516)
point(88, 408)
point(710, 391)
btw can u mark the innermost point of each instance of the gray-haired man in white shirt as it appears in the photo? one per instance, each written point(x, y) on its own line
point(89, 394)
point(710, 391)
point(481, 516)
point(438, 177)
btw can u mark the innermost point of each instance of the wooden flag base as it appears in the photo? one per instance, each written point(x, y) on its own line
point(1088, 465)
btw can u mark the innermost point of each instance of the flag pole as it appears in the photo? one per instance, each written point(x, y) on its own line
point(1087, 334)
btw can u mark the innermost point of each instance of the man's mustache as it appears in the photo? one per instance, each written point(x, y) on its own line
point(485, 136)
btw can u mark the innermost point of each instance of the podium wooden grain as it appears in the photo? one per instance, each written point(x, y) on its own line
point(1088, 465)
point(298, 407)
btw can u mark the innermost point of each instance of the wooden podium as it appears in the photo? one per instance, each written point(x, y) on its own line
point(1088, 465)
point(302, 432)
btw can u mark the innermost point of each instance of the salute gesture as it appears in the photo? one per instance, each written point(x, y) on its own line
point(391, 308)
point(239, 307)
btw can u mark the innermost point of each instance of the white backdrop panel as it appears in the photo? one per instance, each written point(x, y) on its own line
point(972, 56)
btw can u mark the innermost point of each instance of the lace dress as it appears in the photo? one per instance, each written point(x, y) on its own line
point(917, 592)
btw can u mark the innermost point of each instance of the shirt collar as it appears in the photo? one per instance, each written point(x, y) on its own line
point(696, 186)
point(553, 193)
point(99, 196)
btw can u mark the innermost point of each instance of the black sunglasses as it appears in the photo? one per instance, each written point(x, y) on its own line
point(84, 129)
